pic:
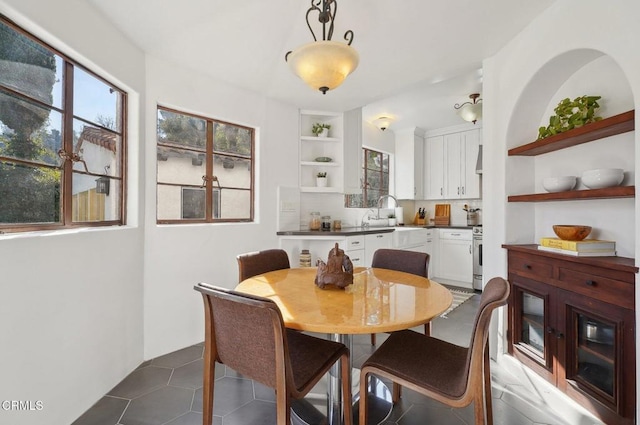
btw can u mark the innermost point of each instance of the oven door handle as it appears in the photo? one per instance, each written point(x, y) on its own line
point(480, 254)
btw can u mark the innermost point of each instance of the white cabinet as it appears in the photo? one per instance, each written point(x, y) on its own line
point(313, 148)
point(431, 246)
point(450, 161)
point(455, 258)
point(460, 156)
point(409, 166)
point(354, 248)
point(434, 167)
point(375, 241)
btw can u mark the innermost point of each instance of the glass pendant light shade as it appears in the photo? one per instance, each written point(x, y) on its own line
point(471, 112)
point(323, 65)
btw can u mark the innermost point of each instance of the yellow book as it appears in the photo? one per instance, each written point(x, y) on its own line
point(586, 245)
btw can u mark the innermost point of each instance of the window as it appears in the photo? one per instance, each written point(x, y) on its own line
point(205, 169)
point(375, 175)
point(62, 139)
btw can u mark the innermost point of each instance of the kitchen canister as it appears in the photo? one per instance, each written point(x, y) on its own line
point(305, 258)
point(314, 221)
point(326, 222)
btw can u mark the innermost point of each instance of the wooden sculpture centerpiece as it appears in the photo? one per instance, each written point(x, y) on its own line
point(337, 271)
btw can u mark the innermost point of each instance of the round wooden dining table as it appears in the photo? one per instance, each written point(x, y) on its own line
point(379, 300)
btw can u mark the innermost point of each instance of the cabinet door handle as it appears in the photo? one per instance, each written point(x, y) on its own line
point(458, 190)
point(355, 243)
point(440, 191)
point(469, 249)
point(379, 236)
point(590, 283)
point(463, 190)
point(353, 260)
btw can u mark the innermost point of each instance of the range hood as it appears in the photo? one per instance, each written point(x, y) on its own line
point(479, 161)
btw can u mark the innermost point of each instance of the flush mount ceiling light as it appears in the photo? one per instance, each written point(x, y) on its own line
point(382, 123)
point(324, 64)
point(470, 111)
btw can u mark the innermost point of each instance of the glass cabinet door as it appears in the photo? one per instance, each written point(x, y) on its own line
point(594, 353)
point(532, 319)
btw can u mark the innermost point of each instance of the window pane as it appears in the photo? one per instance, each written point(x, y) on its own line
point(232, 139)
point(169, 202)
point(232, 172)
point(193, 203)
point(96, 101)
point(29, 68)
point(28, 131)
point(181, 130)
point(372, 198)
point(90, 205)
point(29, 194)
point(385, 163)
point(100, 149)
point(180, 166)
point(373, 180)
point(374, 161)
point(235, 204)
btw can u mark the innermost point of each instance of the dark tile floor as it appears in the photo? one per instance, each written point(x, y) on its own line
point(168, 391)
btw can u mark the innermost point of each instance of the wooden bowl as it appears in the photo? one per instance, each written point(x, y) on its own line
point(571, 232)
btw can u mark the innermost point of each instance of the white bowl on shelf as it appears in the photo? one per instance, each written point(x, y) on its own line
point(559, 184)
point(602, 177)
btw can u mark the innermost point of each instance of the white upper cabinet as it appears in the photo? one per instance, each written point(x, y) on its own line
point(409, 164)
point(434, 167)
point(321, 154)
point(450, 162)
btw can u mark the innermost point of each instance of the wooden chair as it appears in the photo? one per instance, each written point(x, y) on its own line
point(255, 263)
point(448, 373)
point(247, 334)
point(404, 261)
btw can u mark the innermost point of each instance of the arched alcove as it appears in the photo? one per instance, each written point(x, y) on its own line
point(572, 74)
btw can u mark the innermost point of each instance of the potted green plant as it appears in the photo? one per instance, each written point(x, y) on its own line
point(321, 179)
point(392, 219)
point(571, 114)
point(321, 129)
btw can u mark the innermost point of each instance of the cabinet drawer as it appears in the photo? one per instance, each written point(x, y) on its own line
point(354, 242)
point(601, 288)
point(357, 257)
point(526, 265)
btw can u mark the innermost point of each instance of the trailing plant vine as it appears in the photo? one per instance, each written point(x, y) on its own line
point(571, 114)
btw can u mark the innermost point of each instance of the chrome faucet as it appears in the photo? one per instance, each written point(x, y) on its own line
point(366, 214)
point(383, 197)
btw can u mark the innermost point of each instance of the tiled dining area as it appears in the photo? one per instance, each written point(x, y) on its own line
point(168, 390)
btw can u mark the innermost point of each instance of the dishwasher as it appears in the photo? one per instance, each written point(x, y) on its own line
point(455, 256)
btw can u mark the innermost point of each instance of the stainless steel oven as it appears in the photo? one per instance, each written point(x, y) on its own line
point(477, 258)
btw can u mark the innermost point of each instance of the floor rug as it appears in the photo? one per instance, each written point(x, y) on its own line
point(459, 296)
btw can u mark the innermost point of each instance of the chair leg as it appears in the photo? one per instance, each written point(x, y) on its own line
point(396, 393)
point(373, 339)
point(487, 386)
point(364, 393)
point(208, 384)
point(427, 329)
point(347, 399)
point(283, 408)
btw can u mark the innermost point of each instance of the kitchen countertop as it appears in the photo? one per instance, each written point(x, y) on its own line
point(352, 231)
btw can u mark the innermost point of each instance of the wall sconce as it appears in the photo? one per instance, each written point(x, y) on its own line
point(470, 111)
point(382, 123)
point(102, 185)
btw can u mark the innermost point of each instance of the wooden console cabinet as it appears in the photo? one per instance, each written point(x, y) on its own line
point(572, 320)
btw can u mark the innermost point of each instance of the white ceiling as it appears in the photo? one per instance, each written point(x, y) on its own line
point(417, 57)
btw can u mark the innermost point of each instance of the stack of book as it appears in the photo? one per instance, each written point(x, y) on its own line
point(584, 248)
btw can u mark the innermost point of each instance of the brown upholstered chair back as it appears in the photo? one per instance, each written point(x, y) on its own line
point(402, 260)
point(255, 263)
point(494, 295)
point(248, 333)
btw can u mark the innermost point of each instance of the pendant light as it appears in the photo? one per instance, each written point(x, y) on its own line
point(470, 111)
point(324, 64)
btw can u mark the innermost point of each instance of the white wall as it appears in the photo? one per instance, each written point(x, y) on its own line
point(179, 256)
point(521, 81)
point(70, 302)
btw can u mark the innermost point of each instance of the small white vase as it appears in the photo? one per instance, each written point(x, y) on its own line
point(392, 222)
point(324, 133)
point(321, 181)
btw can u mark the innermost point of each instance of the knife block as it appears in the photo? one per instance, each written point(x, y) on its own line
point(419, 221)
